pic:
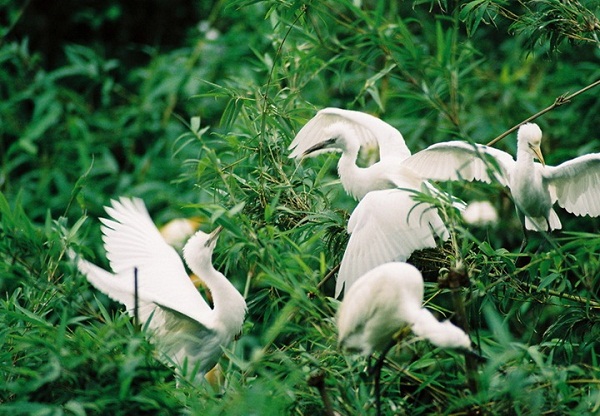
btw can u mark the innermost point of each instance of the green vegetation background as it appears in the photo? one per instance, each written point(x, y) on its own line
point(191, 106)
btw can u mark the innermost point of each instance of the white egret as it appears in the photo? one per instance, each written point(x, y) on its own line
point(354, 132)
point(383, 302)
point(186, 328)
point(480, 214)
point(534, 187)
point(388, 225)
point(177, 231)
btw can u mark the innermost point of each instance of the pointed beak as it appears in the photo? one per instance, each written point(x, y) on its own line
point(538, 154)
point(212, 237)
point(480, 358)
point(319, 146)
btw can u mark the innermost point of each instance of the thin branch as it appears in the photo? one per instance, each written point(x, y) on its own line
point(456, 279)
point(328, 276)
point(317, 380)
point(562, 295)
point(560, 100)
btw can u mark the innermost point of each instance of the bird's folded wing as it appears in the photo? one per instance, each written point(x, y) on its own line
point(387, 225)
point(457, 160)
point(132, 240)
point(576, 184)
point(370, 131)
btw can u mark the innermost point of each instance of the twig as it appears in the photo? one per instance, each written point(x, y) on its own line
point(328, 276)
point(317, 380)
point(457, 278)
point(560, 100)
point(136, 306)
point(562, 295)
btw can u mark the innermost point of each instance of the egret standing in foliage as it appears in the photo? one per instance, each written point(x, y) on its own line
point(381, 303)
point(188, 330)
point(534, 187)
point(387, 224)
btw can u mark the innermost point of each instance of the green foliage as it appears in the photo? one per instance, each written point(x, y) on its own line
point(201, 128)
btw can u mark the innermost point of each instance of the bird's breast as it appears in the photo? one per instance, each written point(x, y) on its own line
point(530, 193)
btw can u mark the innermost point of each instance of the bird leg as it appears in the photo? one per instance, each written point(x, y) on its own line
point(136, 297)
point(375, 371)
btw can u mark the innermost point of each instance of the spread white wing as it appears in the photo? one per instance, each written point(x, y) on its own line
point(132, 240)
point(370, 131)
point(576, 184)
point(387, 225)
point(457, 160)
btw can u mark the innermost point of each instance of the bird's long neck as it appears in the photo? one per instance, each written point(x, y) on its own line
point(229, 305)
point(524, 157)
point(525, 176)
point(351, 175)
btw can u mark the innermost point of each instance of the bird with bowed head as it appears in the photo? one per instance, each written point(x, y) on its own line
point(187, 330)
point(384, 302)
point(388, 224)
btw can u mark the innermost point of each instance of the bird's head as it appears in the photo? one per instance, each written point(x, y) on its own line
point(337, 140)
point(529, 137)
point(200, 246)
point(441, 334)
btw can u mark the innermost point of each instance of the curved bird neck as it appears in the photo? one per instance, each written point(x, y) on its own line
point(524, 156)
point(229, 305)
point(353, 177)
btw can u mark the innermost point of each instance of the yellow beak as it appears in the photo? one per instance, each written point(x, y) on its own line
point(538, 154)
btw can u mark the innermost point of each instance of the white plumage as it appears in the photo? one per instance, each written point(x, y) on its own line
point(186, 328)
point(534, 187)
point(385, 187)
point(385, 300)
point(386, 226)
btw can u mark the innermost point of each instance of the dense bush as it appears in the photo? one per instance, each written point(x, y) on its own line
point(192, 107)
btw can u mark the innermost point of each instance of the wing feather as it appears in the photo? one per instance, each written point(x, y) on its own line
point(457, 160)
point(371, 132)
point(387, 225)
point(576, 184)
point(132, 240)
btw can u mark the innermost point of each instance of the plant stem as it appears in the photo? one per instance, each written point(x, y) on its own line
point(562, 295)
point(456, 279)
point(317, 380)
point(560, 100)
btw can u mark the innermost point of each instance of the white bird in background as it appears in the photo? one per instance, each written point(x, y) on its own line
point(185, 327)
point(534, 187)
point(177, 231)
point(480, 214)
point(387, 224)
point(385, 300)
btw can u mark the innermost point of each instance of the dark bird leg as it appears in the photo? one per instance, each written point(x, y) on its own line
point(525, 232)
point(523, 259)
point(375, 371)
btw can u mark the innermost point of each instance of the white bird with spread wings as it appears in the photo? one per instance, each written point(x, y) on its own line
point(185, 327)
point(387, 224)
point(535, 187)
